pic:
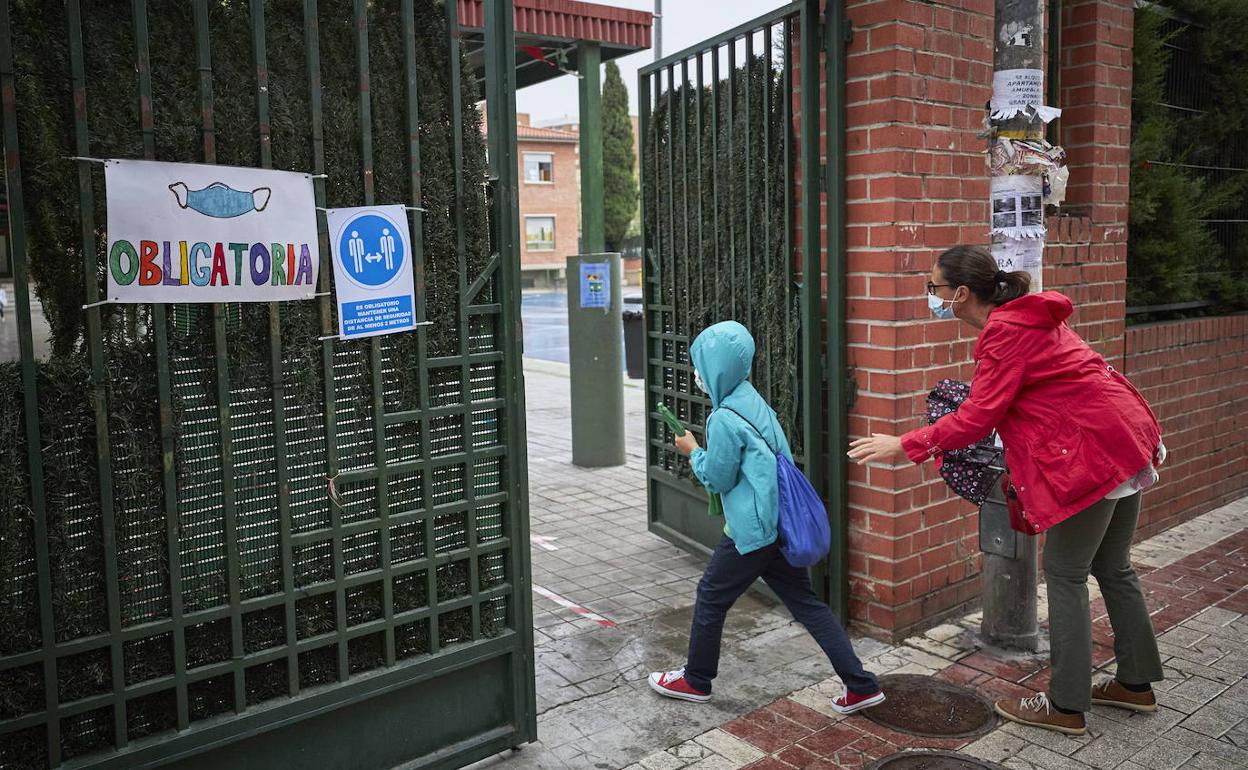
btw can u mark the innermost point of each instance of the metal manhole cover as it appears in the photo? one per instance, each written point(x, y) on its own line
point(932, 760)
point(931, 708)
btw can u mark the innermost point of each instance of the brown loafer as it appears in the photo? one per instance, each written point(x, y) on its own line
point(1038, 711)
point(1111, 693)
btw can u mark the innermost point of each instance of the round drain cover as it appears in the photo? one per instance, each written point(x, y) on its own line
point(932, 760)
point(931, 708)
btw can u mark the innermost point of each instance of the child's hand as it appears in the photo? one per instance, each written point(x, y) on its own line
point(686, 444)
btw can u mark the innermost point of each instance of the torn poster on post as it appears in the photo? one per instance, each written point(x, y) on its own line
point(1055, 190)
point(1019, 156)
point(1013, 254)
point(1018, 206)
point(1014, 92)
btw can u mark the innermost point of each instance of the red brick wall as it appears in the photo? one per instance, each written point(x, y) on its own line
point(1086, 261)
point(1194, 374)
point(918, 76)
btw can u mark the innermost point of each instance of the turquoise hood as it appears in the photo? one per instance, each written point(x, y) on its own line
point(739, 461)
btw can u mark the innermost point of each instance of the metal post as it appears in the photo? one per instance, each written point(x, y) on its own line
point(589, 57)
point(595, 333)
point(658, 29)
point(1010, 575)
point(1010, 601)
point(595, 345)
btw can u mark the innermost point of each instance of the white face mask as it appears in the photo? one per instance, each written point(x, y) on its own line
point(698, 383)
point(937, 306)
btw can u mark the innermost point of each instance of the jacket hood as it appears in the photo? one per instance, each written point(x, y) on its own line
point(723, 354)
point(1044, 310)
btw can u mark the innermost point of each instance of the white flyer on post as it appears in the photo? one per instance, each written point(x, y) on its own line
point(373, 283)
point(1027, 254)
point(1013, 91)
point(1018, 206)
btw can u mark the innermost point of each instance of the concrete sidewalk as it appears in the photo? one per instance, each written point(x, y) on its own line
point(613, 602)
point(593, 554)
point(1194, 577)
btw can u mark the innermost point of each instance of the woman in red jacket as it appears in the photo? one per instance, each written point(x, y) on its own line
point(1081, 443)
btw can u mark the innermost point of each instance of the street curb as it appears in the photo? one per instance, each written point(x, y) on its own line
point(559, 369)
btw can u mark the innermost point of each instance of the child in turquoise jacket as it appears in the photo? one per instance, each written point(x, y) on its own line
point(743, 438)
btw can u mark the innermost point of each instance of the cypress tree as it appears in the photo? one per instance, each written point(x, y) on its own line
point(618, 159)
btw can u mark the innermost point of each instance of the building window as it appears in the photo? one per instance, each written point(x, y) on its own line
point(539, 167)
point(539, 233)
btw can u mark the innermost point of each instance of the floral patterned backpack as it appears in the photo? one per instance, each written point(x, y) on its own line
point(970, 472)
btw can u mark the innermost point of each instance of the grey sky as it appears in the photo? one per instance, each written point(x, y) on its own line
point(685, 22)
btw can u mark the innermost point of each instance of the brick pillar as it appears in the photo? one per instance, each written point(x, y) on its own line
point(1096, 132)
point(1096, 105)
point(919, 74)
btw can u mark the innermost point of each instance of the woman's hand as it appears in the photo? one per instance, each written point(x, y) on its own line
point(878, 447)
point(686, 444)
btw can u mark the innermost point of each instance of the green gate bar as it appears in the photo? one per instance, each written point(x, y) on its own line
point(95, 343)
point(840, 389)
point(160, 334)
point(505, 233)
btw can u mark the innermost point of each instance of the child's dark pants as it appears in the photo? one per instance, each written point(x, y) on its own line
point(727, 576)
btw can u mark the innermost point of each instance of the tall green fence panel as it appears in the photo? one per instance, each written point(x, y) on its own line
point(228, 538)
point(729, 167)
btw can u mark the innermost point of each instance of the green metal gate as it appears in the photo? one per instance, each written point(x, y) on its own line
point(227, 538)
point(733, 194)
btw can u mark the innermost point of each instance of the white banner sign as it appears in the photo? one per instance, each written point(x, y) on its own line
point(187, 232)
point(372, 270)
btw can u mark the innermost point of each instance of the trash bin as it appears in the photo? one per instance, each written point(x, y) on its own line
point(634, 338)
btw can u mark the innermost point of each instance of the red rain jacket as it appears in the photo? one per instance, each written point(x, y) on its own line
point(1073, 427)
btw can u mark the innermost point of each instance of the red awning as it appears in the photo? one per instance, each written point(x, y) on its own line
point(569, 20)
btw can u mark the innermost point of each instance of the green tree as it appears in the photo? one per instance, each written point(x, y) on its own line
point(618, 159)
point(1173, 253)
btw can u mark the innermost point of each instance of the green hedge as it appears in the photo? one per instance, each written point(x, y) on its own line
point(1190, 119)
point(727, 275)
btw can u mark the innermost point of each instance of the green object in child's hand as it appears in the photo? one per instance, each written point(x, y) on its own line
point(670, 419)
point(715, 506)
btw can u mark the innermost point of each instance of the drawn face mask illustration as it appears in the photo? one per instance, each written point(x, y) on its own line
point(220, 200)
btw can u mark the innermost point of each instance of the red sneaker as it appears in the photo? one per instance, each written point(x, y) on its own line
point(850, 703)
point(673, 684)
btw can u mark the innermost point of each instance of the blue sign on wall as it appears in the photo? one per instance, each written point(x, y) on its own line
point(595, 285)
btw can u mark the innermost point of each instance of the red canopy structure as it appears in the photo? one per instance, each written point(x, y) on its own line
point(548, 33)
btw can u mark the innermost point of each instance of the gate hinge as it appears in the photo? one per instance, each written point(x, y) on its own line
point(823, 178)
point(847, 30)
point(851, 392)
